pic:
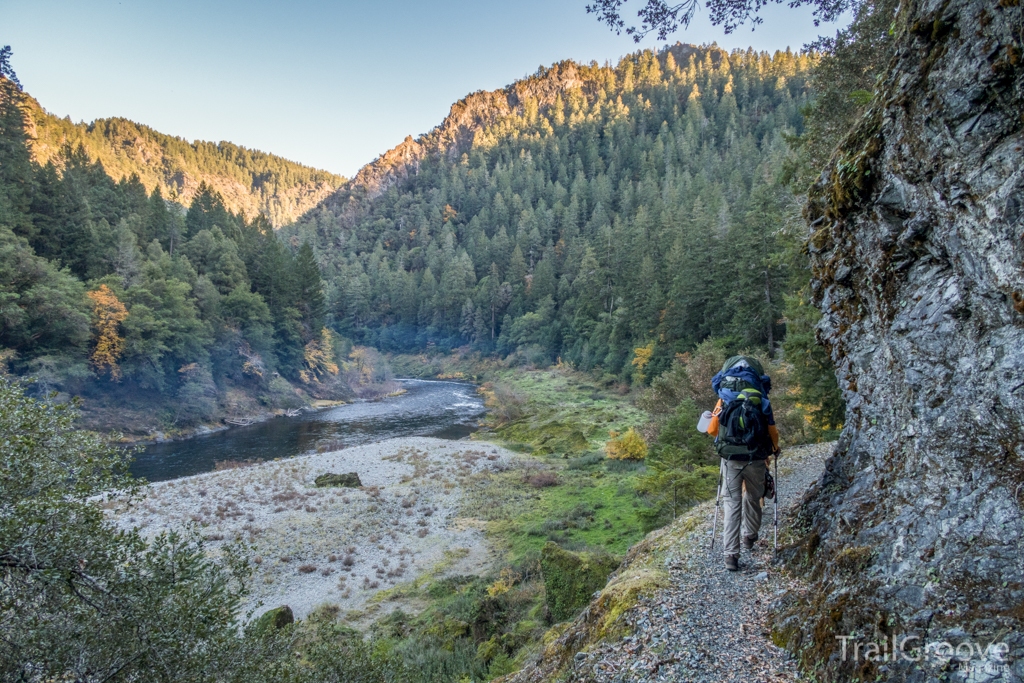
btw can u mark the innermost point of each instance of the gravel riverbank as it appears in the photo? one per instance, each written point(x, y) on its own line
point(337, 546)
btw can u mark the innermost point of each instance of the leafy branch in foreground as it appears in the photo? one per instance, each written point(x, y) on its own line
point(80, 598)
point(663, 19)
point(83, 600)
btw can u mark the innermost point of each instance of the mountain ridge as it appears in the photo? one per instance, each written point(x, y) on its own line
point(250, 181)
point(473, 113)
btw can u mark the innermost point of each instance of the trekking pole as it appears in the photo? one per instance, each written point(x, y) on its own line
point(777, 487)
point(714, 525)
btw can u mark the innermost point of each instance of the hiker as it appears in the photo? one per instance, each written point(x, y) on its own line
point(746, 437)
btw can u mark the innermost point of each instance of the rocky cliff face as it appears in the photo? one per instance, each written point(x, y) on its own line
point(915, 527)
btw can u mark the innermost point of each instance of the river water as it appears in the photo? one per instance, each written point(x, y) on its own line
point(448, 410)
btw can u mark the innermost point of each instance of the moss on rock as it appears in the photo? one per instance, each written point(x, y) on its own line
point(279, 617)
point(571, 579)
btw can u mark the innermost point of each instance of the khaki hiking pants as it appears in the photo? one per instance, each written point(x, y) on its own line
point(740, 504)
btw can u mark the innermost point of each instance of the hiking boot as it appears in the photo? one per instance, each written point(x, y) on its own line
point(732, 562)
point(749, 541)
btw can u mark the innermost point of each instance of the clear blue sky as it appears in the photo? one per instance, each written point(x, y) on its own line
point(329, 83)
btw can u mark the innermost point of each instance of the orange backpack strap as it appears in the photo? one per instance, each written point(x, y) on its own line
point(713, 425)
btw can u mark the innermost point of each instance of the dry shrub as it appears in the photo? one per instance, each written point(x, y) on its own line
point(422, 532)
point(543, 479)
point(221, 465)
point(307, 569)
point(688, 378)
point(325, 612)
point(506, 403)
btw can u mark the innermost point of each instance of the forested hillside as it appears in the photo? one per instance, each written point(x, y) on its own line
point(116, 293)
point(249, 181)
point(612, 216)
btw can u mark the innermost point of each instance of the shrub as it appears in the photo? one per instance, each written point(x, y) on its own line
point(506, 403)
point(543, 479)
point(91, 587)
point(624, 467)
point(221, 465)
point(585, 461)
point(281, 394)
point(628, 446)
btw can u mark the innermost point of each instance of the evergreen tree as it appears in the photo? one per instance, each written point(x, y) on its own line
point(308, 292)
point(15, 160)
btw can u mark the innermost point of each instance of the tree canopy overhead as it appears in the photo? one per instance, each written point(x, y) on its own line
point(663, 19)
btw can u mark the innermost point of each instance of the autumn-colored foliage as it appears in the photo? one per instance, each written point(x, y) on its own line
point(108, 313)
point(627, 446)
point(319, 357)
point(252, 362)
point(641, 357)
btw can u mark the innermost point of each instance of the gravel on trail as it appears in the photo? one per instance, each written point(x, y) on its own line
point(710, 625)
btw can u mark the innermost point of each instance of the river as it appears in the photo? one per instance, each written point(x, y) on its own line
point(428, 408)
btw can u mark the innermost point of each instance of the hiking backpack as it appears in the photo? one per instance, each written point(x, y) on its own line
point(742, 424)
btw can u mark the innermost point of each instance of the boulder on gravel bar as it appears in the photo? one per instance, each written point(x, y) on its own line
point(279, 617)
point(350, 480)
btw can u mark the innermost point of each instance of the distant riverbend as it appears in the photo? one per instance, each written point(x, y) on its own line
point(427, 408)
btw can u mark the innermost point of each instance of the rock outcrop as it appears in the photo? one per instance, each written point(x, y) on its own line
point(915, 528)
point(571, 579)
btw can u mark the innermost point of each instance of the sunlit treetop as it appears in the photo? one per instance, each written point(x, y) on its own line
point(5, 66)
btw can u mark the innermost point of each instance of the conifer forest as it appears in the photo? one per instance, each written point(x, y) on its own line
point(449, 420)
